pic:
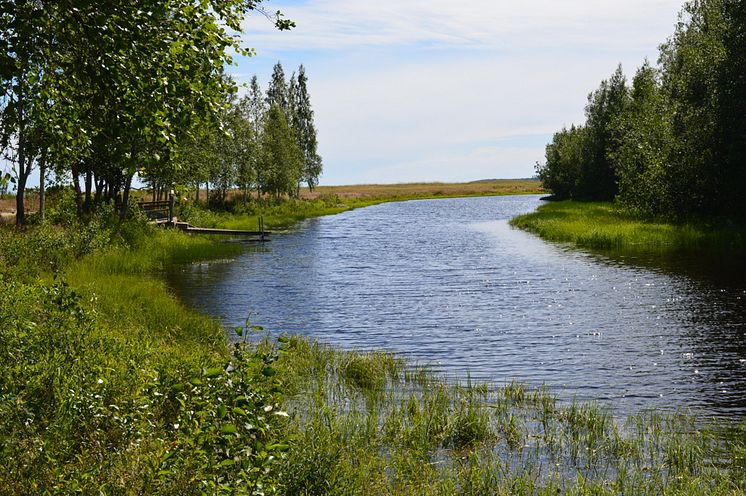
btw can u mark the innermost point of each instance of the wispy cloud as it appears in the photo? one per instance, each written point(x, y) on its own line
point(434, 89)
point(487, 24)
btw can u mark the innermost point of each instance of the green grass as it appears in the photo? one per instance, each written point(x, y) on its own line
point(603, 226)
point(110, 385)
point(370, 423)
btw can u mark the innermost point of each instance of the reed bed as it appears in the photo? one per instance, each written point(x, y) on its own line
point(369, 423)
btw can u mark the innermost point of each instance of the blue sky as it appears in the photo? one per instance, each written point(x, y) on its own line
point(436, 90)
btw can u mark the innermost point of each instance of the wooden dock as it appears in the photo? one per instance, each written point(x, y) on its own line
point(184, 226)
point(162, 213)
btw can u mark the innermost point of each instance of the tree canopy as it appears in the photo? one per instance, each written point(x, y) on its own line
point(673, 144)
point(105, 90)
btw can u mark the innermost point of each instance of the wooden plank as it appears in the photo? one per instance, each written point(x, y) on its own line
point(208, 230)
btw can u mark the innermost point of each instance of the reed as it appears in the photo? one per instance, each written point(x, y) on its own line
point(398, 432)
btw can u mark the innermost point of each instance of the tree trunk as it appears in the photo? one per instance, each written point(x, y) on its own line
point(76, 186)
point(126, 198)
point(88, 187)
point(22, 167)
point(99, 189)
point(21, 190)
point(196, 200)
point(42, 185)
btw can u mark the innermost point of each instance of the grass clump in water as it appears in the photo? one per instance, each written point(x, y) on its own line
point(421, 434)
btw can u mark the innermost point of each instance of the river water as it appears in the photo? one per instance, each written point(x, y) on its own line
point(448, 283)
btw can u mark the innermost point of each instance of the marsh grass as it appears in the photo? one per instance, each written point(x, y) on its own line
point(604, 226)
point(369, 423)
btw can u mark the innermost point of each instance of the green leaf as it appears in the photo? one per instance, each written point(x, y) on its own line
point(279, 447)
point(212, 372)
point(228, 429)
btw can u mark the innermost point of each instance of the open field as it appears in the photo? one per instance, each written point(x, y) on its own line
point(428, 190)
point(323, 200)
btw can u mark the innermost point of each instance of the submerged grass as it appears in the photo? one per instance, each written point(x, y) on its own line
point(604, 226)
point(405, 430)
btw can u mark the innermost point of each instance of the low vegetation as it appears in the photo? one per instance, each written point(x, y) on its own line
point(113, 386)
point(606, 226)
point(328, 200)
point(110, 385)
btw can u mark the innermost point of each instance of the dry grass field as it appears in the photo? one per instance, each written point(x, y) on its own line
point(476, 188)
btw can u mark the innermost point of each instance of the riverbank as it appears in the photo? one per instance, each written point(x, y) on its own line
point(604, 226)
point(116, 386)
point(330, 200)
point(110, 385)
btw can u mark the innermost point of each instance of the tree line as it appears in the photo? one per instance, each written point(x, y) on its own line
point(673, 143)
point(263, 142)
point(98, 92)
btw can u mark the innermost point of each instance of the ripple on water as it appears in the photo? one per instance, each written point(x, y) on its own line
point(450, 283)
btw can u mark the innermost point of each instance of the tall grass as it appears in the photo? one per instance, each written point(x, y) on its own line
point(604, 226)
point(367, 423)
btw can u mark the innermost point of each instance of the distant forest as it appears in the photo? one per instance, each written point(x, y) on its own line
point(673, 144)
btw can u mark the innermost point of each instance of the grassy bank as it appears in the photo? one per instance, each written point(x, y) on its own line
point(112, 386)
point(604, 226)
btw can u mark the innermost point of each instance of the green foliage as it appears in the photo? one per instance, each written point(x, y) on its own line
point(561, 172)
point(112, 386)
point(641, 159)
point(302, 123)
point(675, 146)
point(597, 179)
point(281, 159)
point(107, 90)
point(255, 148)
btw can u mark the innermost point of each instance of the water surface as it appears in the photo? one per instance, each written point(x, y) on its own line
point(450, 284)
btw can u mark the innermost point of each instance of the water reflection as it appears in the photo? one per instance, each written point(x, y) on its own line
point(449, 283)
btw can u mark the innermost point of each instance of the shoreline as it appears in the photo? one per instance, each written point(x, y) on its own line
point(604, 227)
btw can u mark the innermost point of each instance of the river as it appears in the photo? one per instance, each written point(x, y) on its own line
point(449, 284)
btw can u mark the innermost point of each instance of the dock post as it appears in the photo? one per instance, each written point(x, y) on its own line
point(171, 208)
point(261, 227)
